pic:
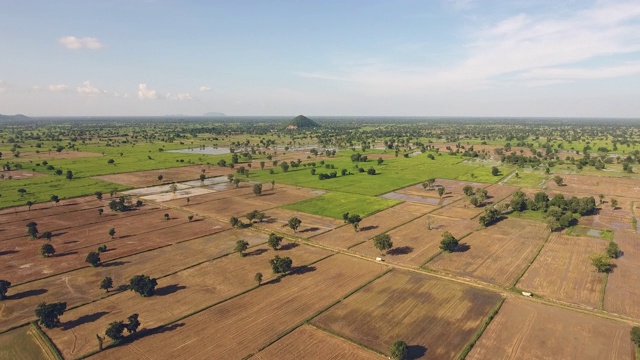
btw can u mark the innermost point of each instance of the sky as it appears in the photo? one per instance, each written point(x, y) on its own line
point(521, 58)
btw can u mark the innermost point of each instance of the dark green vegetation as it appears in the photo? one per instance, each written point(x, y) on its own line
point(49, 314)
point(143, 285)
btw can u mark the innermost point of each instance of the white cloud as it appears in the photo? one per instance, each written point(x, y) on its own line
point(74, 43)
point(145, 93)
point(60, 88)
point(87, 89)
point(179, 97)
point(204, 89)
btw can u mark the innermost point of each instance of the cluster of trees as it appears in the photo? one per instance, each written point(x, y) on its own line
point(353, 219)
point(49, 314)
point(560, 212)
point(115, 330)
point(281, 265)
point(491, 215)
point(476, 196)
point(144, 285)
point(601, 261)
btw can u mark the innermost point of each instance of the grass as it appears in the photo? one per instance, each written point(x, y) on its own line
point(334, 204)
point(26, 342)
point(529, 215)
point(527, 179)
point(580, 230)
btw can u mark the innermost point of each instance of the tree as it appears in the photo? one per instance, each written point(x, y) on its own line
point(495, 171)
point(32, 229)
point(112, 232)
point(257, 189)
point(398, 350)
point(143, 285)
point(371, 171)
point(613, 250)
point(491, 215)
point(100, 212)
point(281, 265)
point(274, 241)
point(448, 243)
point(46, 250)
point(558, 180)
point(98, 195)
point(93, 258)
point(55, 199)
point(102, 248)
point(601, 196)
point(190, 218)
point(258, 278)
point(173, 188)
point(383, 242)
point(241, 246)
point(49, 314)
point(601, 262)
point(467, 190)
point(202, 178)
point(635, 335)
point(69, 175)
point(47, 235)
point(441, 191)
point(132, 324)
point(166, 217)
point(106, 283)
point(614, 203)
point(428, 184)
point(235, 222)
point(29, 204)
point(354, 220)
point(160, 177)
point(294, 223)
point(4, 288)
point(22, 192)
point(115, 331)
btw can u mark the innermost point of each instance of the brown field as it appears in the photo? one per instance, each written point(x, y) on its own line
point(623, 286)
point(497, 254)
point(607, 217)
point(81, 286)
point(241, 326)
point(312, 225)
point(462, 209)
point(564, 272)
point(53, 155)
point(593, 185)
point(307, 342)
point(21, 213)
point(24, 343)
point(528, 330)
point(453, 190)
point(177, 295)
point(436, 318)
point(18, 174)
point(414, 243)
point(345, 237)
point(150, 177)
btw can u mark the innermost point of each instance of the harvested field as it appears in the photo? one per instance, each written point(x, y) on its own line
point(18, 175)
point(176, 296)
point(610, 186)
point(434, 317)
point(22, 261)
point(453, 190)
point(345, 237)
point(463, 209)
point(180, 194)
point(150, 177)
point(81, 286)
point(529, 330)
point(607, 217)
point(497, 254)
point(153, 190)
point(623, 285)
point(414, 243)
point(307, 342)
point(24, 343)
point(21, 213)
point(564, 272)
point(312, 225)
point(241, 326)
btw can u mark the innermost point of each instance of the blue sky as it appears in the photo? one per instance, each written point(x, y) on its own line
point(405, 58)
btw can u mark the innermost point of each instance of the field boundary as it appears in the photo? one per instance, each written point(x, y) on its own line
point(476, 336)
point(45, 341)
point(515, 282)
point(605, 280)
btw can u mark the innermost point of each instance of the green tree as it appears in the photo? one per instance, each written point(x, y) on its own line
point(258, 278)
point(69, 175)
point(635, 335)
point(281, 265)
point(274, 241)
point(143, 285)
point(49, 314)
point(112, 232)
point(167, 217)
point(235, 222)
point(98, 195)
point(448, 243)
point(55, 199)
point(383, 242)
point(241, 246)
point(106, 283)
point(160, 177)
point(32, 229)
point(4, 288)
point(600, 262)
point(399, 350)
point(354, 220)
point(495, 171)
point(173, 188)
point(102, 248)
point(22, 192)
point(115, 331)
point(294, 223)
point(467, 190)
point(428, 184)
point(47, 250)
point(380, 161)
point(132, 324)
point(47, 235)
point(257, 189)
point(93, 258)
point(202, 178)
point(29, 204)
point(613, 250)
point(100, 212)
point(558, 180)
point(441, 191)
point(190, 218)
point(614, 203)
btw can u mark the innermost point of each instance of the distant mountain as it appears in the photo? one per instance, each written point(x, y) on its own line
point(214, 114)
point(14, 117)
point(301, 121)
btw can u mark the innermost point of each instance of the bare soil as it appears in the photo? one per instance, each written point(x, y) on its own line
point(150, 177)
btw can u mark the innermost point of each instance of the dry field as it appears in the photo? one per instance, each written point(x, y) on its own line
point(529, 330)
point(82, 285)
point(150, 177)
point(616, 219)
point(307, 342)
point(564, 272)
point(241, 326)
point(176, 296)
point(345, 237)
point(463, 209)
point(592, 185)
point(312, 225)
point(436, 318)
point(623, 287)
point(18, 174)
point(414, 243)
point(453, 190)
point(497, 254)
